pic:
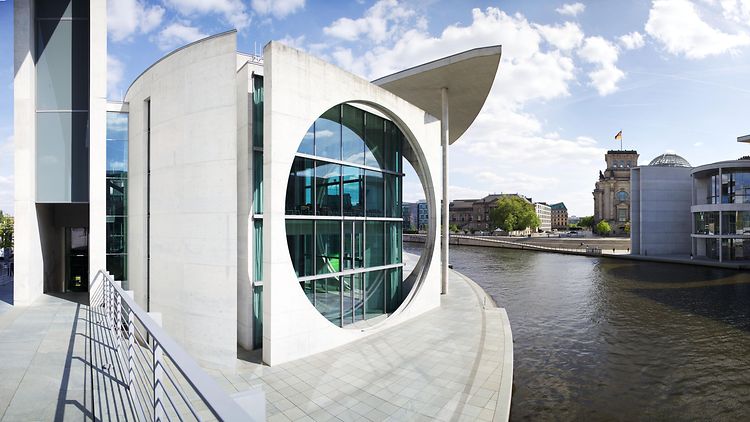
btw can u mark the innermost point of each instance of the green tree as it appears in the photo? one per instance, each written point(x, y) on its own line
point(627, 228)
point(514, 213)
point(6, 231)
point(586, 221)
point(603, 228)
point(453, 228)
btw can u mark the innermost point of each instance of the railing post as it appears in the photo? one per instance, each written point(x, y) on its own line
point(159, 413)
point(131, 350)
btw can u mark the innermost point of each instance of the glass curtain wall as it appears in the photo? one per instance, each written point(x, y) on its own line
point(62, 100)
point(117, 196)
point(344, 217)
point(256, 148)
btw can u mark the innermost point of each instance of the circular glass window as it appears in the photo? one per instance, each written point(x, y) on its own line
point(344, 221)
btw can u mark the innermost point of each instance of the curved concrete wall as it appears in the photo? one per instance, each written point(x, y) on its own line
point(192, 194)
point(298, 89)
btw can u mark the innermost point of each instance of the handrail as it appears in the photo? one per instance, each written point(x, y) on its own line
point(161, 345)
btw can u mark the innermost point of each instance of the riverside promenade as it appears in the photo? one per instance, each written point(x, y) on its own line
point(454, 363)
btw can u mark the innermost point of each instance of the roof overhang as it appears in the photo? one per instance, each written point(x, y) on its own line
point(468, 76)
point(745, 138)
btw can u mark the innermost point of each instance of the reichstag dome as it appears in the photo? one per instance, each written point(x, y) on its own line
point(669, 160)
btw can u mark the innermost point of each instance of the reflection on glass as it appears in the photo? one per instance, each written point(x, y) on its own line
point(393, 242)
point(299, 190)
point(117, 190)
point(328, 299)
point(375, 244)
point(307, 146)
point(353, 245)
point(117, 229)
point(374, 195)
point(374, 140)
point(354, 186)
point(258, 250)
point(257, 182)
point(706, 222)
point(328, 247)
point(374, 293)
point(299, 239)
point(328, 188)
point(257, 116)
point(353, 134)
point(257, 316)
point(392, 195)
point(393, 291)
point(328, 134)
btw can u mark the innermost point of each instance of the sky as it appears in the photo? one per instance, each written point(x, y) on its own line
point(673, 75)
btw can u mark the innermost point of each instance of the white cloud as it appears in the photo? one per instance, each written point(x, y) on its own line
point(277, 8)
point(604, 54)
point(632, 41)
point(380, 23)
point(233, 11)
point(178, 34)
point(115, 71)
point(571, 9)
point(126, 17)
point(678, 26)
point(565, 37)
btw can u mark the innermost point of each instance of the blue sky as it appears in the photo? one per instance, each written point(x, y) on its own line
point(673, 75)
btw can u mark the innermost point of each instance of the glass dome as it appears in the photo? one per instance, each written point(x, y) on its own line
point(669, 160)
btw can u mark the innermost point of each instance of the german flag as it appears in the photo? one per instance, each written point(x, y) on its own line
point(618, 137)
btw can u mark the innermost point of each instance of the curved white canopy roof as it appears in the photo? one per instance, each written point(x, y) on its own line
point(468, 76)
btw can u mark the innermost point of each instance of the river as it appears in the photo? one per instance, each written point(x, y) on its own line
point(608, 339)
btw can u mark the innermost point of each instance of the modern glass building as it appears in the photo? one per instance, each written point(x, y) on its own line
point(251, 201)
point(721, 211)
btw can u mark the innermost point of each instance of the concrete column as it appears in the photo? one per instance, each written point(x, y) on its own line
point(445, 140)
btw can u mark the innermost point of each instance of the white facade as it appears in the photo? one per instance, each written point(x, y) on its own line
point(544, 212)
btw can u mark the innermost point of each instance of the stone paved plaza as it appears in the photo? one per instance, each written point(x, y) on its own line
point(452, 363)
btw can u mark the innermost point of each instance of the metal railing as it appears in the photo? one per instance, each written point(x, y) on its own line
point(163, 381)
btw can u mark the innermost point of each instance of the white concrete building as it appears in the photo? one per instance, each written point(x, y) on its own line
point(250, 201)
point(544, 212)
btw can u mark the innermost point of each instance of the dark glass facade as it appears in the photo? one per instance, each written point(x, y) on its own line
point(343, 207)
point(256, 206)
point(117, 196)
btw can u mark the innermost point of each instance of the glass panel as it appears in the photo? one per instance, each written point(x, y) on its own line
point(117, 265)
point(394, 146)
point(707, 223)
point(375, 244)
point(257, 116)
point(393, 243)
point(257, 182)
point(117, 190)
point(348, 258)
point(328, 188)
point(347, 299)
point(374, 197)
point(394, 293)
point(374, 293)
point(299, 239)
point(328, 299)
point(62, 8)
point(309, 288)
point(354, 185)
point(308, 142)
point(117, 126)
point(257, 317)
point(374, 140)
point(328, 246)
point(392, 195)
point(117, 229)
point(258, 250)
point(328, 134)
point(358, 296)
point(53, 157)
point(62, 66)
point(353, 134)
point(359, 244)
point(299, 190)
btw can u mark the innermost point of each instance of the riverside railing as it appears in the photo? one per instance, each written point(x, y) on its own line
point(164, 382)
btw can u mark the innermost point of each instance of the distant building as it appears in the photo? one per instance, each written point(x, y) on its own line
point(559, 216)
point(612, 190)
point(423, 215)
point(660, 200)
point(415, 215)
point(474, 214)
point(544, 212)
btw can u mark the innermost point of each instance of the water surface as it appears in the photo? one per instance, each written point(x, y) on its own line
point(606, 339)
